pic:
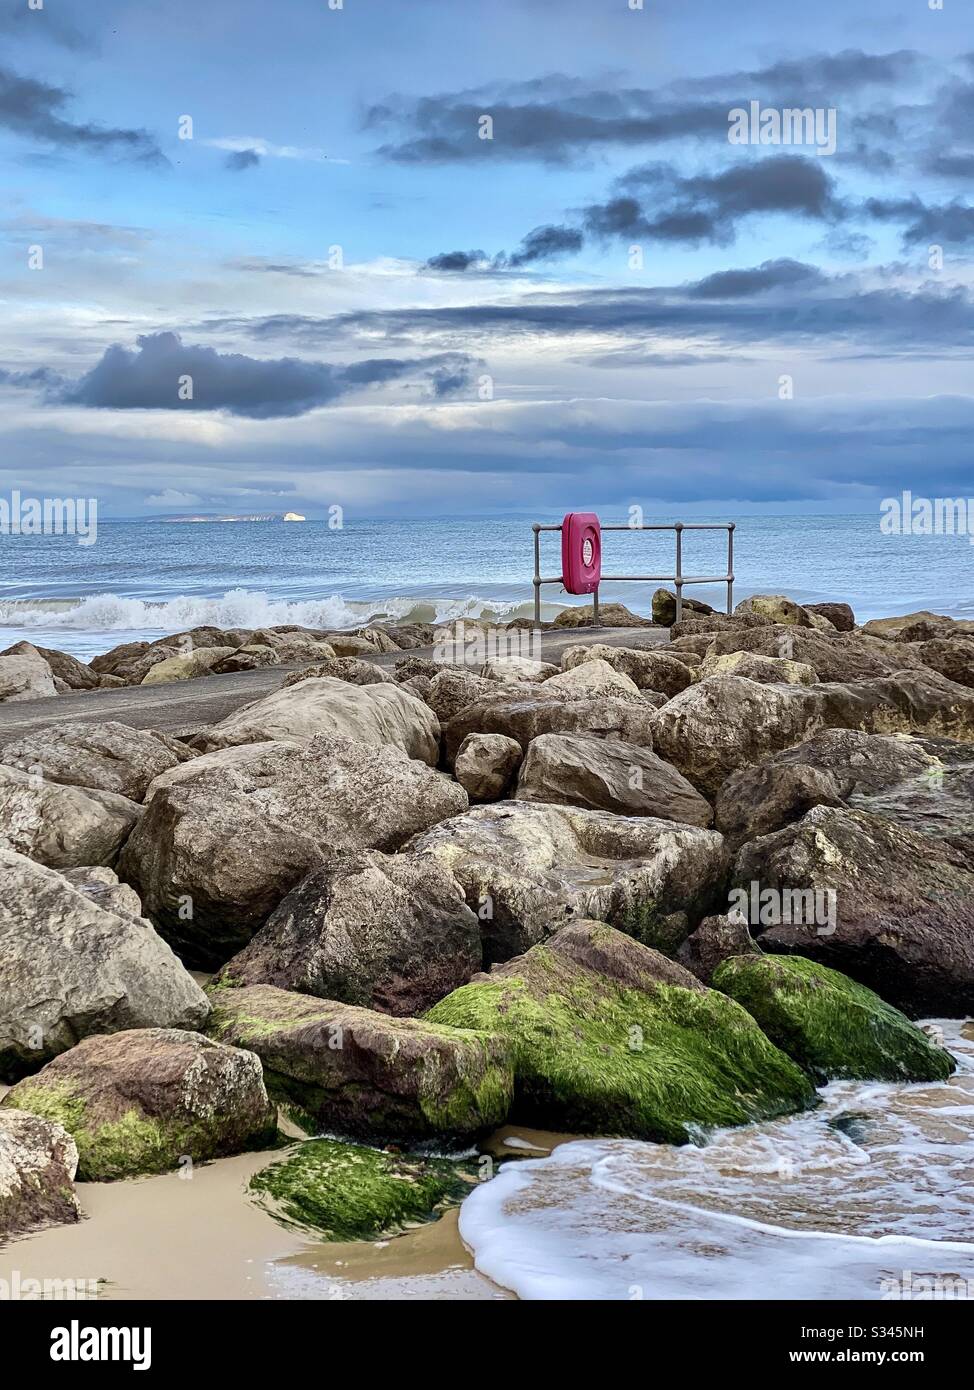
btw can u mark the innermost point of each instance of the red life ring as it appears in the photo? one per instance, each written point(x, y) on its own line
point(581, 552)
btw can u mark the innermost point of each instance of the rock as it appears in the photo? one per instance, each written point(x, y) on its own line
point(610, 1037)
point(418, 686)
point(62, 827)
point(232, 838)
point(664, 607)
point(364, 1073)
point(590, 678)
point(610, 615)
point(647, 669)
point(891, 627)
point(524, 717)
point(839, 657)
point(840, 615)
point(377, 715)
point(453, 689)
point(935, 800)
point(69, 968)
point(828, 1024)
point(106, 757)
point(527, 869)
point(777, 608)
point(188, 667)
point(381, 638)
point(724, 723)
point(106, 662)
point(103, 887)
point(303, 649)
point(951, 657)
point(25, 678)
point(715, 940)
point(608, 775)
point(821, 771)
point(903, 906)
point(509, 669)
point(145, 1101)
point(411, 666)
point(768, 670)
point(38, 1161)
point(75, 674)
point(253, 657)
point(346, 1192)
point(110, 682)
point(345, 668)
point(345, 645)
point(486, 764)
point(696, 626)
point(387, 932)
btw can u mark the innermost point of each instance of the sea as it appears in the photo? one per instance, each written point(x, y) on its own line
point(144, 578)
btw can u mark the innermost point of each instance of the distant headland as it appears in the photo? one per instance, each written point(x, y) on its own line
point(268, 516)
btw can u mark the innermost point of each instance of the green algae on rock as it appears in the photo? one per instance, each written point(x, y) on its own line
point(349, 1192)
point(367, 1074)
point(147, 1100)
point(610, 1037)
point(829, 1024)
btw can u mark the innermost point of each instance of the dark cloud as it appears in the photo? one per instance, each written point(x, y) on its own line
point(242, 159)
point(150, 378)
point(43, 377)
point(32, 108)
point(948, 223)
point(544, 243)
point(453, 261)
point(738, 284)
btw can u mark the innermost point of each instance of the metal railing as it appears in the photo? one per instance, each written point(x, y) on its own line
point(679, 580)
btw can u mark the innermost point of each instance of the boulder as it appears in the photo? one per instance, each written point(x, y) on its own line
point(777, 608)
point(610, 615)
point(337, 1067)
point(25, 678)
point(103, 886)
point(218, 849)
point(840, 615)
point(108, 757)
point(486, 764)
point(952, 657)
point(890, 628)
point(839, 657)
point(527, 868)
point(107, 662)
point(903, 906)
point(74, 673)
point(831, 1026)
point(715, 940)
point(253, 657)
point(343, 644)
point(411, 666)
point(524, 717)
point(608, 775)
point(62, 827)
point(347, 1192)
point(388, 932)
point(768, 670)
point(38, 1161)
point(664, 607)
point(148, 1100)
point(508, 669)
point(187, 668)
point(69, 968)
point(381, 638)
point(378, 715)
point(590, 678)
point(648, 669)
point(345, 668)
point(610, 1037)
point(304, 649)
point(453, 688)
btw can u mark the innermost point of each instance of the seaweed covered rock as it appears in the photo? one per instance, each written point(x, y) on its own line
point(337, 1067)
point(147, 1100)
point(108, 757)
point(220, 846)
point(38, 1162)
point(388, 932)
point(903, 906)
point(346, 1192)
point(70, 967)
point(527, 868)
point(828, 1024)
point(608, 775)
point(610, 1037)
point(63, 827)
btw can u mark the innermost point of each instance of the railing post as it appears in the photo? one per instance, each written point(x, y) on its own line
point(595, 609)
point(730, 567)
point(537, 574)
point(678, 528)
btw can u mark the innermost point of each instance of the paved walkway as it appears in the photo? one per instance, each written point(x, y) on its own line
point(186, 706)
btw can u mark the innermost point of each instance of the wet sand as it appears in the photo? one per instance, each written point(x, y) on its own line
point(202, 1237)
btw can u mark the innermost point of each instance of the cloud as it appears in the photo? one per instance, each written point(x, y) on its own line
point(266, 149)
point(452, 261)
point(20, 22)
point(32, 108)
point(242, 159)
point(740, 284)
point(166, 374)
point(544, 243)
point(952, 223)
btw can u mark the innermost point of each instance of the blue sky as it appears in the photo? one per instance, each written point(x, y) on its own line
point(597, 306)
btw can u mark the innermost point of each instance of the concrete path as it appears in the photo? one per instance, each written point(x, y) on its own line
point(186, 706)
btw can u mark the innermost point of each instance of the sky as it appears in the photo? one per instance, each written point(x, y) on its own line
point(443, 256)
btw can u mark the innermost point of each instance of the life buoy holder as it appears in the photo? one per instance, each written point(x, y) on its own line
point(581, 552)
